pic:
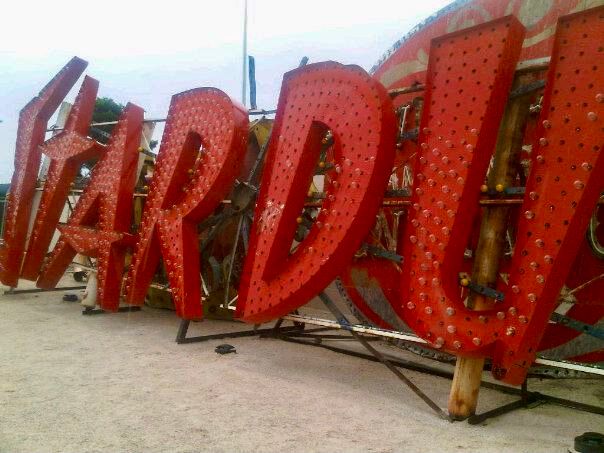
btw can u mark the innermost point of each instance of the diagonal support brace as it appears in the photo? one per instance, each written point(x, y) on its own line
point(341, 319)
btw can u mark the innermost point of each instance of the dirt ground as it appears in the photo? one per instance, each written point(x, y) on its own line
point(119, 382)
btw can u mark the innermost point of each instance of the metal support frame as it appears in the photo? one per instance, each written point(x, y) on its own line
point(88, 311)
point(299, 334)
point(41, 290)
point(409, 337)
point(181, 336)
point(344, 323)
point(529, 400)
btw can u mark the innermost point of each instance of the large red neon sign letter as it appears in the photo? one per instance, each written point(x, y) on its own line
point(30, 135)
point(201, 154)
point(560, 194)
point(100, 223)
point(358, 111)
point(67, 151)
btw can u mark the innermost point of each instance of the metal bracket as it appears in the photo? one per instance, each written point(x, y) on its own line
point(181, 336)
point(382, 253)
point(578, 325)
point(486, 291)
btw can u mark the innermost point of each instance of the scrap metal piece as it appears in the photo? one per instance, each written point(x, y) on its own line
point(589, 442)
point(225, 349)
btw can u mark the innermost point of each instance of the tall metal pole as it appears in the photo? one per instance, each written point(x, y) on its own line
point(244, 69)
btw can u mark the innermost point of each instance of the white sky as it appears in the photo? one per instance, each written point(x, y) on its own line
point(144, 52)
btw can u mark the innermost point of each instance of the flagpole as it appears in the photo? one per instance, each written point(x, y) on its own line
point(244, 69)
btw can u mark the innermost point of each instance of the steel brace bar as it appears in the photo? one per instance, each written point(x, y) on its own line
point(579, 326)
point(343, 321)
point(533, 399)
point(181, 336)
point(40, 290)
point(89, 311)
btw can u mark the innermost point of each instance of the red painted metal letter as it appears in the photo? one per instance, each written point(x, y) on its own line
point(100, 223)
point(201, 153)
point(30, 135)
point(561, 192)
point(67, 151)
point(358, 111)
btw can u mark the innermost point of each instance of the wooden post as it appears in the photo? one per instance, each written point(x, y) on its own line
point(491, 246)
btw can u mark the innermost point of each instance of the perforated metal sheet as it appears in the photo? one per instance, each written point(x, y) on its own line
point(563, 188)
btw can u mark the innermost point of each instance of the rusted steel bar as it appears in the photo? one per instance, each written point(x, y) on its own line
point(535, 66)
point(405, 90)
point(386, 202)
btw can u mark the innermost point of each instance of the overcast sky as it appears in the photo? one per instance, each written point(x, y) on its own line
point(144, 52)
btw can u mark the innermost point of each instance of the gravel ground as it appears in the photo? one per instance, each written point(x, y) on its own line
point(119, 382)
